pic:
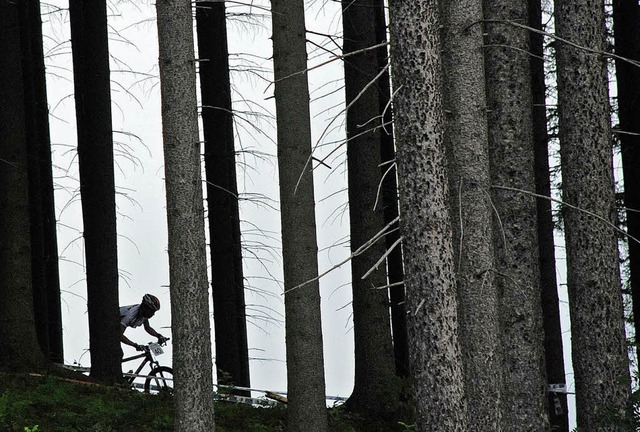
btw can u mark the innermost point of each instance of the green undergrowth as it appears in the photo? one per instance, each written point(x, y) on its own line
point(49, 404)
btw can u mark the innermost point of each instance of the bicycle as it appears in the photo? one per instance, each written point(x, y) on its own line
point(160, 378)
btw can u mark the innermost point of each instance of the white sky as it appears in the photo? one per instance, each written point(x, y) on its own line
point(142, 243)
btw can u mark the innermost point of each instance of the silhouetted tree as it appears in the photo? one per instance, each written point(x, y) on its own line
point(227, 282)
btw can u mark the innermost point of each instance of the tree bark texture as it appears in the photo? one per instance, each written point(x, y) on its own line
point(468, 160)
point(44, 247)
point(375, 391)
point(227, 281)
point(19, 348)
point(626, 22)
point(305, 361)
point(90, 49)
point(554, 355)
point(190, 325)
point(436, 363)
point(597, 328)
point(511, 151)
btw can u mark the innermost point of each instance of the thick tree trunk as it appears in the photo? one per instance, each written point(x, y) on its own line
point(44, 248)
point(19, 348)
point(305, 361)
point(375, 391)
point(510, 120)
point(626, 25)
point(90, 48)
point(468, 160)
point(190, 324)
point(436, 363)
point(227, 282)
point(554, 356)
point(597, 327)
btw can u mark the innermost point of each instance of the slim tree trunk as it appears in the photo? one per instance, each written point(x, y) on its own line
point(190, 324)
point(389, 192)
point(375, 391)
point(19, 348)
point(597, 327)
point(510, 120)
point(90, 48)
point(436, 363)
point(305, 361)
point(44, 248)
point(626, 23)
point(468, 159)
point(554, 356)
point(227, 281)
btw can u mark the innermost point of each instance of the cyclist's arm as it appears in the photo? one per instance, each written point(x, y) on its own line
point(151, 330)
point(125, 340)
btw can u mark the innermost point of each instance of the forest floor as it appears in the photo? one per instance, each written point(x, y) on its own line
point(39, 403)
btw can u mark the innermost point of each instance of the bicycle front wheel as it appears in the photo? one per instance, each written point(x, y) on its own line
point(160, 380)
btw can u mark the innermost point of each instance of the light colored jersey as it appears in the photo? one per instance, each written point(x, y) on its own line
point(129, 316)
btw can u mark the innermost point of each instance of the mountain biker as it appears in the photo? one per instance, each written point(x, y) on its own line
point(139, 314)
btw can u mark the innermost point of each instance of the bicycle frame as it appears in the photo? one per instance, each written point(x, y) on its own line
point(148, 358)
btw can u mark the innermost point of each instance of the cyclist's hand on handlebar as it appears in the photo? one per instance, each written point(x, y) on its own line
point(162, 340)
point(139, 347)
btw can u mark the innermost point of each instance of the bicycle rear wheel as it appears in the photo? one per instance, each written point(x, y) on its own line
point(160, 380)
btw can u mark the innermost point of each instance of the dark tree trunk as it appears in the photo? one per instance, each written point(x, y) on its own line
point(44, 248)
point(395, 267)
point(19, 347)
point(227, 282)
point(90, 50)
point(375, 378)
point(510, 109)
point(554, 357)
point(626, 28)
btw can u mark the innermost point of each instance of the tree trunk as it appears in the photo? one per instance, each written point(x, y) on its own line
point(510, 111)
point(626, 22)
point(227, 281)
point(90, 48)
point(44, 247)
point(554, 356)
point(468, 159)
point(375, 391)
point(306, 410)
point(435, 355)
point(597, 328)
point(19, 348)
point(190, 324)
point(389, 192)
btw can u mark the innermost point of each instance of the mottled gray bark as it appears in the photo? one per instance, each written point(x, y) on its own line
point(553, 350)
point(19, 348)
point(190, 326)
point(597, 328)
point(436, 364)
point(306, 410)
point(510, 120)
point(376, 390)
point(468, 159)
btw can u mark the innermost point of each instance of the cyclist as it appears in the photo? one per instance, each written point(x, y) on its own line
point(139, 314)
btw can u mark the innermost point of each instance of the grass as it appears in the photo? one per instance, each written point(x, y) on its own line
point(30, 403)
